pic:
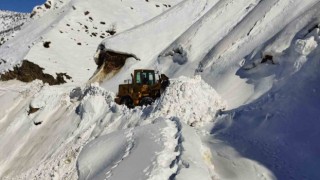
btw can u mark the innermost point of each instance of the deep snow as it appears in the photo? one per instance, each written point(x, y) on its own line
point(225, 114)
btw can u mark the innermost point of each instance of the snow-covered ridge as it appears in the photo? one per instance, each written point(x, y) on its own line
point(39, 10)
point(10, 24)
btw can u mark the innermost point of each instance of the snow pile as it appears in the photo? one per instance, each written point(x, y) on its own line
point(304, 47)
point(94, 100)
point(192, 100)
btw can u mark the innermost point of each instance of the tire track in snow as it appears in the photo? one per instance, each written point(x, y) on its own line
point(129, 134)
point(179, 148)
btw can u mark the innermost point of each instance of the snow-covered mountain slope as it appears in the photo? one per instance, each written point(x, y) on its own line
point(10, 24)
point(215, 40)
point(242, 102)
point(72, 29)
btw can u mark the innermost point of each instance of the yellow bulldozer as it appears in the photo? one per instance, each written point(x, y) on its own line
point(143, 89)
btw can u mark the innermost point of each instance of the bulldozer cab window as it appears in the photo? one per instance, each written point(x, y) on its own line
point(145, 78)
point(138, 79)
point(151, 78)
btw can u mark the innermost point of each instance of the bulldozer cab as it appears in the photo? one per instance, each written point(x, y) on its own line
point(146, 77)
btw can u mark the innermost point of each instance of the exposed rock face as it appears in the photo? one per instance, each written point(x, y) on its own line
point(40, 10)
point(29, 71)
point(109, 63)
point(32, 110)
point(112, 60)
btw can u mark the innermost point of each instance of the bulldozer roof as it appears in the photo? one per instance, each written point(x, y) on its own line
point(144, 70)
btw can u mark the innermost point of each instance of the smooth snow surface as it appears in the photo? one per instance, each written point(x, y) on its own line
point(242, 102)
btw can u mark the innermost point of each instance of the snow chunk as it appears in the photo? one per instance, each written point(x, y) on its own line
point(305, 46)
point(192, 100)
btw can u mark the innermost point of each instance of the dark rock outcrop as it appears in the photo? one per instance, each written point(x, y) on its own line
point(28, 71)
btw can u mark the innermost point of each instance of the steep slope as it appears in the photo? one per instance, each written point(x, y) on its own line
point(280, 129)
point(10, 24)
point(219, 38)
point(241, 117)
point(75, 28)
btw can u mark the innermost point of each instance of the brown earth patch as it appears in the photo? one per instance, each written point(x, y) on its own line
point(32, 110)
point(109, 63)
point(112, 60)
point(28, 71)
